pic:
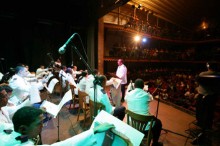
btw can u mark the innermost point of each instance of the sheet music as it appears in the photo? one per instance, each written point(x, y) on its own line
point(134, 135)
point(51, 85)
point(54, 109)
point(34, 94)
point(116, 82)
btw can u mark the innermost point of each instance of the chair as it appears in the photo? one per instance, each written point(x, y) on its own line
point(82, 105)
point(99, 107)
point(140, 122)
point(75, 99)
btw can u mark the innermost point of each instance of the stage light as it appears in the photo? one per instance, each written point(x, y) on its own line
point(144, 40)
point(137, 38)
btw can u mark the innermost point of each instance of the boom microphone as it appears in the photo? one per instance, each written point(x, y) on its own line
point(62, 49)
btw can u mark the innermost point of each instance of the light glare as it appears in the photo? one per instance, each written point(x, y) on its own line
point(137, 38)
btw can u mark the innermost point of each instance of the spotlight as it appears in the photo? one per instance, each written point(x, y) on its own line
point(144, 40)
point(137, 38)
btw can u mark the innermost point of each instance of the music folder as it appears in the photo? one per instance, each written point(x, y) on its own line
point(54, 109)
point(121, 129)
point(116, 82)
point(51, 85)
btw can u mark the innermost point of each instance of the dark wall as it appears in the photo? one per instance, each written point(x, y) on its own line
point(29, 42)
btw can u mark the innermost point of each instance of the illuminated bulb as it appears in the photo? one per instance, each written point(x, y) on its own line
point(137, 38)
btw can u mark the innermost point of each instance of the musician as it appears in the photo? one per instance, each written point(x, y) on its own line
point(57, 63)
point(4, 116)
point(75, 72)
point(1, 75)
point(90, 80)
point(103, 98)
point(138, 102)
point(7, 109)
point(208, 92)
point(28, 125)
point(22, 89)
point(41, 72)
point(63, 75)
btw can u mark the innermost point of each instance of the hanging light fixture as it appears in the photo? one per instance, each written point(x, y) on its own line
point(204, 25)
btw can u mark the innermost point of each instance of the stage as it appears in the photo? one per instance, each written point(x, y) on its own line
point(175, 123)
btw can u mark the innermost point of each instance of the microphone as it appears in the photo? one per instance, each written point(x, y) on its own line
point(132, 87)
point(62, 49)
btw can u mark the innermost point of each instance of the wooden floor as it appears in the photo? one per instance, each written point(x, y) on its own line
point(175, 123)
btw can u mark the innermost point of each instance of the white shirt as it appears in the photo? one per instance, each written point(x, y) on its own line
point(74, 73)
point(72, 82)
point(82, 84)
point(21, 88)
point(89, 83)
point(4, 116)
point(41, 72)
point(122, 73)
point(63, 76)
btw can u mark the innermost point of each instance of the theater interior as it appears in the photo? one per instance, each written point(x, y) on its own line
point(167, 43)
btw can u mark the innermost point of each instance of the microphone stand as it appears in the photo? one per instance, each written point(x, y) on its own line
point(58, 115)
point(95, 82)
point(158, 102)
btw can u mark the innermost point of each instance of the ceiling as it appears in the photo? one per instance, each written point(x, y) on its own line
point(187, 14)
